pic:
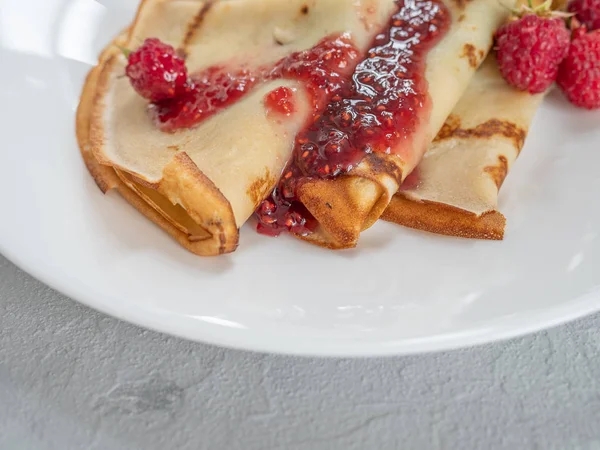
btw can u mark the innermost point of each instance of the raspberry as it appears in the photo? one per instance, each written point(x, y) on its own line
point(587, 12)
point(579, 74)
point(156, 72)
point(530, 49)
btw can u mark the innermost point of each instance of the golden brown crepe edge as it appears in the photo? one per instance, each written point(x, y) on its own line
point(444, 219)
point(341, 219)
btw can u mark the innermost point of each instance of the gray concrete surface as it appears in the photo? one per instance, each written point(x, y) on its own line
point(71, 378)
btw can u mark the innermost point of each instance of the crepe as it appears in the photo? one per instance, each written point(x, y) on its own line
point(202, 184)
point(454, 190)
point(348, 205)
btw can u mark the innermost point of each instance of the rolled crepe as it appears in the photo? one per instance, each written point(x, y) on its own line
point(350, 204)
point(454, 190)
point(202, 184)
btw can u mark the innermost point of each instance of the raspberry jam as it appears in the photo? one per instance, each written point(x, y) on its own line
point(280, 101)
point(323, 69)
point(207, 93)
point(377, 109)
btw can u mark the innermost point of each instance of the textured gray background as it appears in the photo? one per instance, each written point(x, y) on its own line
point(71, 378)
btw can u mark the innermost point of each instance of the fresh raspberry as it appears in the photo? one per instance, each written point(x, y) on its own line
point(579, 74)
point(587, 12)
point(156, 72)
point(530, 49)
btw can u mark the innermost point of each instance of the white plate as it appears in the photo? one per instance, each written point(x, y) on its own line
point(401, 291)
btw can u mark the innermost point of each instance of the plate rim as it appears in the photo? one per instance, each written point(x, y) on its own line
point(543, 319)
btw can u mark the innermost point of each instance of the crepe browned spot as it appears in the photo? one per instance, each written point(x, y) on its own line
point(455, 188)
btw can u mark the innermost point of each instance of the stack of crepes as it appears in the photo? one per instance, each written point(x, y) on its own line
point(202, 184)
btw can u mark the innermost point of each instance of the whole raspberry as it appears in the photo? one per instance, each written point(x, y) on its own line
point(156, 72)
point(529, 50)
point(587, 12)
point(579, 74)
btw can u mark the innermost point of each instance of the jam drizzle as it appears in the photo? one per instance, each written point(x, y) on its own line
point(323, 69)
point(379, 110)
point(208, 92)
